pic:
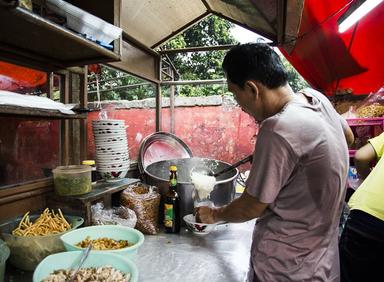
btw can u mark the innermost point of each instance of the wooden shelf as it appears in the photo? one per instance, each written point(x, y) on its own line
point(81, 205)
point(16, 111)
point(30, 40)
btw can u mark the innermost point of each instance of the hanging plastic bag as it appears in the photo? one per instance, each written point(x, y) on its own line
point(145, 201)
point(117, 216)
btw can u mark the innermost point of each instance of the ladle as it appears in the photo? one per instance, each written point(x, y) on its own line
point(235, 165)
point(84, 256)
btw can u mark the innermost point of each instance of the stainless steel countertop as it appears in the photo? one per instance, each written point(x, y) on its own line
point(222, 255)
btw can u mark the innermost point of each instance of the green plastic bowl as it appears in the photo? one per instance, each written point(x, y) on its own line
point(68, 260)
point(115, 232)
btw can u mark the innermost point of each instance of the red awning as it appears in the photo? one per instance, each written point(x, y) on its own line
point(332, 62)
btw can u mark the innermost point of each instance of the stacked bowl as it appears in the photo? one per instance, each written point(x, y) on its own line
point(112, 156)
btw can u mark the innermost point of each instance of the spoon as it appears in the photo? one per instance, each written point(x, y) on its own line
point(235, 165)
point(84, 256)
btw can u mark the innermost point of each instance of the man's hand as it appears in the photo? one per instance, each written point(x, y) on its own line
point(241, 209)
point(206, 214)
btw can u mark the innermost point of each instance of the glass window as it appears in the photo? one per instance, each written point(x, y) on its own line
point(28, 149)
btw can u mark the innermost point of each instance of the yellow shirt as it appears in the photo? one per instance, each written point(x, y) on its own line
point(369, 197)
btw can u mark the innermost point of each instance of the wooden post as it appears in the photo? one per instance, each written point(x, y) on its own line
point(158, 97)
point(83, 122)
point(50, 85)
point(64, 138)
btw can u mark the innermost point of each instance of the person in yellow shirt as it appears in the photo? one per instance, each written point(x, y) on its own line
point(361, 244)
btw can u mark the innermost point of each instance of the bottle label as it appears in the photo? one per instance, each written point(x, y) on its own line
point(168, 215)
point(173, 182)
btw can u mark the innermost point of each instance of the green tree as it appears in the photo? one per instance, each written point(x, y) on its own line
point(296, 81)
point(207, 65)
point(211, 31)
point(116, 85)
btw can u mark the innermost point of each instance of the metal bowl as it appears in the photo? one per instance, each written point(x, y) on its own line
point(157, 174)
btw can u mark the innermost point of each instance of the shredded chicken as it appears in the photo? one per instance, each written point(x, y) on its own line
point(101, 274)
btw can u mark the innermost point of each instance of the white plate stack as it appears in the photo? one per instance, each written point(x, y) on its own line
point(112, 156)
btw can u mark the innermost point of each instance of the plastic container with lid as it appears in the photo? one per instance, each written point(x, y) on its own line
point(94, 175)
point(72, 180)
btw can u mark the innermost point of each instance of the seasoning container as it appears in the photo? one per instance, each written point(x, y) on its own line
point(72, 180)
point(94, 175)
point(172, 204)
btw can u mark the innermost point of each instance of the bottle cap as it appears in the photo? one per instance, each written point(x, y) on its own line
point(173, 168)
point(88, 162)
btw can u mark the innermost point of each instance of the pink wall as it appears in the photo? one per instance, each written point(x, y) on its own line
point(218, 132)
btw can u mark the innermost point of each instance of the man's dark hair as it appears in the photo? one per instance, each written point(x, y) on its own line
point(255, 61)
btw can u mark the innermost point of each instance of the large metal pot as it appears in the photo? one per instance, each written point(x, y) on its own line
point(223, 193)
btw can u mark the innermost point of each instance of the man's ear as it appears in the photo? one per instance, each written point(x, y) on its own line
point(253, 87)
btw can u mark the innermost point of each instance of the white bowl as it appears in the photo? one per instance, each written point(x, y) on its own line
point(108, 121)
point(198, 228)
point(106, 139)
point(112, 167)
point(112, 155)
point(108, 149)
point(112, 144)
point(104, 161)
point(109, 131)
point(100, 125)
point(112, 159)
point(115, 175)
point(110, 135)
point(101, 156)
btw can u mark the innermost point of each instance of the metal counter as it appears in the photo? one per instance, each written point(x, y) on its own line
point(222, 255)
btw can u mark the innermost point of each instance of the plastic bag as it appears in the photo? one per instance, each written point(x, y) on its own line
point(145, 201)
point(351, 113)
point(372, 106)
point(117, 216)
point(108, 112)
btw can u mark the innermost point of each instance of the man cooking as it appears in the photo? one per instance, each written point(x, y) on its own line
point(296, 186)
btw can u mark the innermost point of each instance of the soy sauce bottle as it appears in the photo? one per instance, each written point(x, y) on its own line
point(172, 204)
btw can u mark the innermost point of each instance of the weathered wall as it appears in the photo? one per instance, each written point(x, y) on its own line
point(213, 127)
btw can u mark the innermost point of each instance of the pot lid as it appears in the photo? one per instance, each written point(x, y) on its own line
point(161, 146)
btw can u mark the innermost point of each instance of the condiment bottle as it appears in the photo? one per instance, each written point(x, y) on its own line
point(92, 163)
point(172, 204)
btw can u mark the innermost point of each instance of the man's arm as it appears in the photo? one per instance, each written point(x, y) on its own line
point(241, 209)
point(363, 158)
point(348, 133)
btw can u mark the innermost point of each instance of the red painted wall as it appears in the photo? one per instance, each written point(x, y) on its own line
point(218, 132)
